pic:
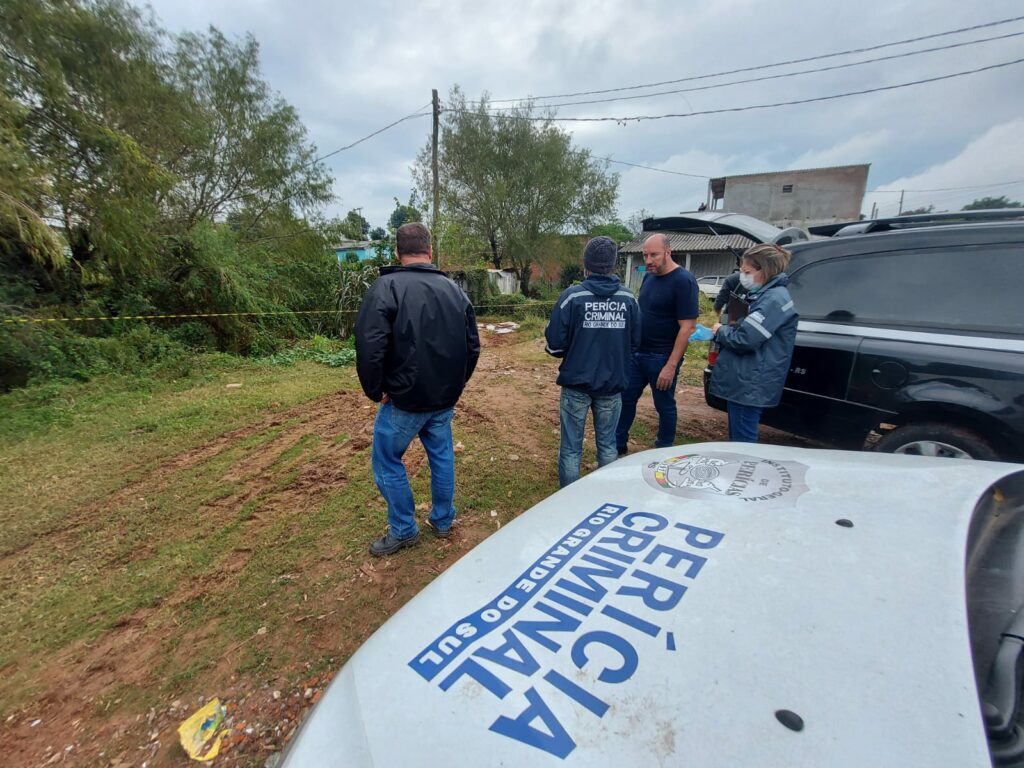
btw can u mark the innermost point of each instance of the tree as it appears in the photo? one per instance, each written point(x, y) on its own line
point(918, 211)
point(140, 136)
point(378, 233)
point(354, 226)
point(142, 172)
point(616, 230)
point(987, 203)
point(404, 214)
point(98, 117)
point(249, 149)
point(513, 179)
point(635, 223)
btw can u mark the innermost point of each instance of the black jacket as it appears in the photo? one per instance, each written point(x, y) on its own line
point(731, 290)
point(594, 328)
point(416, 339)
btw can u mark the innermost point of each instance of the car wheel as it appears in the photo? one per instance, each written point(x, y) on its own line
point(933, 439)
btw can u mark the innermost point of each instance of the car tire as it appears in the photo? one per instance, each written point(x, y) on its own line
point(937, 439)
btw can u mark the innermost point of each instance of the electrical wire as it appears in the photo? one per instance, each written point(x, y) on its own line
point(746, 108)
point(772, 77)
point(804, 60)
point(418, 113)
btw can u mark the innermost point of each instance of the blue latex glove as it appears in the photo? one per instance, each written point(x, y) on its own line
point(701, 333)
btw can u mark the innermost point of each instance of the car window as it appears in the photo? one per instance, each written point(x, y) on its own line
point(972, 288)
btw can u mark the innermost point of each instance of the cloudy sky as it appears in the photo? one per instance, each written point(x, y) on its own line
point(351, 68)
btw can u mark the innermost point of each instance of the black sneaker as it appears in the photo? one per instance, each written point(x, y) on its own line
point(623, 451)
point(388, 544)
point(438, 532)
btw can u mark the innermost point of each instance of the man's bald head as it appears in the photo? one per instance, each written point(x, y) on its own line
point(658, 254)
point(659, 240)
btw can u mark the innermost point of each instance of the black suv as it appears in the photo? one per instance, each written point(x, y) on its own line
point(911, 338)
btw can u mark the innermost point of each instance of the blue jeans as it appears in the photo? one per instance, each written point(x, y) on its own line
point(644, 368)
point(743, 421)
point(573, 416)
point(393, 430)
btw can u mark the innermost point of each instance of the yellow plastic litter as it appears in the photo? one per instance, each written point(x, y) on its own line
point(199, 735)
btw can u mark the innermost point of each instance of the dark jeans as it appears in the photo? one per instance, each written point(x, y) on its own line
point(573, 417)
point(644, 368)
point(743, 421)
point(393, 430)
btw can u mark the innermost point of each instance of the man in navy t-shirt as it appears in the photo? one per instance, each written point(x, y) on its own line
point(668, 311)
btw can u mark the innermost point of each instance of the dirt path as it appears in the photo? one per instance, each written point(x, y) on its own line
point(111, 701)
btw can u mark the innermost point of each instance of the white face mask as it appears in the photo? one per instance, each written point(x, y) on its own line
point(747, 281)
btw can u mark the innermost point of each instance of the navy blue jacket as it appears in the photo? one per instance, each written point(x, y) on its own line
point(754, 360)
point(594, 328)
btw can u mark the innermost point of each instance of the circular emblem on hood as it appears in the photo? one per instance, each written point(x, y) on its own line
point(734, 475)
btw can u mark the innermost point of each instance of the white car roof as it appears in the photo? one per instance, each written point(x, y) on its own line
point(664, 609)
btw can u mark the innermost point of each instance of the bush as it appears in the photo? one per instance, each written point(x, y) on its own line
point(513, 306)
point(477, 282)
point(353, 282)
point(194, 335)
point(33, 353)
point(571, 273)
point(545, 292)
point(320, 349)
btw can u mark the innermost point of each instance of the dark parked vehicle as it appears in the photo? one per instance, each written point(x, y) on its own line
point(911, 337)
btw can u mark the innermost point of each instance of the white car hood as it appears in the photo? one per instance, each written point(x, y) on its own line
point(513, 657)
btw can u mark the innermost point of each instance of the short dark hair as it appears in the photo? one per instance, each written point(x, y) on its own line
point(413, 238)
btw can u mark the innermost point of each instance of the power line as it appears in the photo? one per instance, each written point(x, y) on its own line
point(948, 189)
point(639, 118)
point(659, 170)
point(768, 66)
point(774, 77)
point(418, 113)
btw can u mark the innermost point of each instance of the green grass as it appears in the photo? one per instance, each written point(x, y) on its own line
point(74, 564)
point(57, 441)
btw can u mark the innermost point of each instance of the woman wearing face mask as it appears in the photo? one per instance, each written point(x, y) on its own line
point(755, 354)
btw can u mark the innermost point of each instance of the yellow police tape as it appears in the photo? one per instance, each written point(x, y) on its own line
point(25, 320)
point(40, 320)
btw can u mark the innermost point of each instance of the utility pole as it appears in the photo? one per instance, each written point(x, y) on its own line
point(437, 191)
point(901, 202)
point(874, 210)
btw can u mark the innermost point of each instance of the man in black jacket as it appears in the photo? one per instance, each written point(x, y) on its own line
point(416, 347)
point(730, 293)
point(594, 328)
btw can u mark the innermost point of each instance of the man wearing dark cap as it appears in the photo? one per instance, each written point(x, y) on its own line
point(594, 328)
point(416, 347)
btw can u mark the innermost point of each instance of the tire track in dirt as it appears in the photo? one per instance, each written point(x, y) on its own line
point(320, 412)
point(78, 678)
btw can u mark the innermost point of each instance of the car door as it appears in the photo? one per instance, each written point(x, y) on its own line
point(932, 359)
point(816, 400)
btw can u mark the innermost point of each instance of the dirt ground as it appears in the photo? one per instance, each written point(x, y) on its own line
point(90, 712)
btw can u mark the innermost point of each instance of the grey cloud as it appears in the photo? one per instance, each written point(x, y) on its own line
point(350, 69)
